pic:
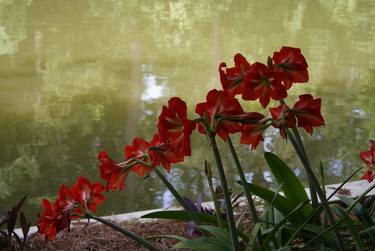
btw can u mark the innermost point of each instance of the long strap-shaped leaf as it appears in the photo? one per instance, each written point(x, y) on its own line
point(124, 231)
point(220, 242)
point(281, 203)
point(351, 225)
point(292, 186)
point(280, 224)
point(181, 215)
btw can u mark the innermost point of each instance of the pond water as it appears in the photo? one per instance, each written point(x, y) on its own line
point(78, 77)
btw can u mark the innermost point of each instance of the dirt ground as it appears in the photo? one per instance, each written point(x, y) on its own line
point(95, 237)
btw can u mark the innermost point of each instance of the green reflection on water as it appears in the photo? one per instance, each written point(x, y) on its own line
point(78, 77)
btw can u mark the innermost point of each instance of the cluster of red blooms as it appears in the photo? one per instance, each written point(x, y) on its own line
point(369, 158)
point(70, 204)
point(221, 114)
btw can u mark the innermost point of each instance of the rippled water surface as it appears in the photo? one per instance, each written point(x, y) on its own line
point(77, 77)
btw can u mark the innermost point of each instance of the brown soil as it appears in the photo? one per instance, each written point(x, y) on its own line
point(95, 237)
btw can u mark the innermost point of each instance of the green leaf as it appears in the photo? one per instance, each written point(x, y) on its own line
point(279, 202)
point(252, 240)
point(299, 227)
point(220, 233)
point(3, 216)
point(284, 249)
point(340, 212)
point(25, 225)
point(203, 244)
point(13, 215)
point(314, 229)
point(168, 236)
point(292, 186)
point(282, 223)
point(181, 215)
point(361, 213)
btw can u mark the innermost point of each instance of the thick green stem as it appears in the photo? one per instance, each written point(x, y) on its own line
point(177, 196)
point(249, 198)
point(227, 200)
point(313, 192)
point(124, 231)
point(316, 185)
point(216, 205)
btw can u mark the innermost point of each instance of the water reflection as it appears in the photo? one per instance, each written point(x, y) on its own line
point(77, 77)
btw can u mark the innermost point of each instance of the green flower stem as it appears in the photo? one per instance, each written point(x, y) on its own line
point(177, 196)
point(216, 203)
point(228, 203)
point(249, 198)
point(313, 192)
point(298, 143)
point(315, 183)
point(124, 231)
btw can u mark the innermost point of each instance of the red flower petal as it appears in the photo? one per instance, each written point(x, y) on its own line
point(164, 154)
point(264, 84)
point(112, 172)
point(369, 156)
point(88, 194)
point(232, 78)
point(65, 202)
point(369, 176)
point(220, 105)
point(173, 126)
point(277, 114)
point(138, 150)
point(292, 65)
point(307, 111)
point(47, 220)
point(252, 134)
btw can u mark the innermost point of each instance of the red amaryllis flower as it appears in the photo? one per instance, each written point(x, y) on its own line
point(138, 151)
point(173, 126)
point(47, 220)
point(252, 133)
point(87, 194)
point(114, 173)
point(220, 105)
point(232, 78)
point(292, 64)
point(369, 156)
point(163, 154)
point(53, 219)
point(264, 84)
point(369, 176)
point(282, 116)
point(66, 203)
point(307, 111)
point(69, 202)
